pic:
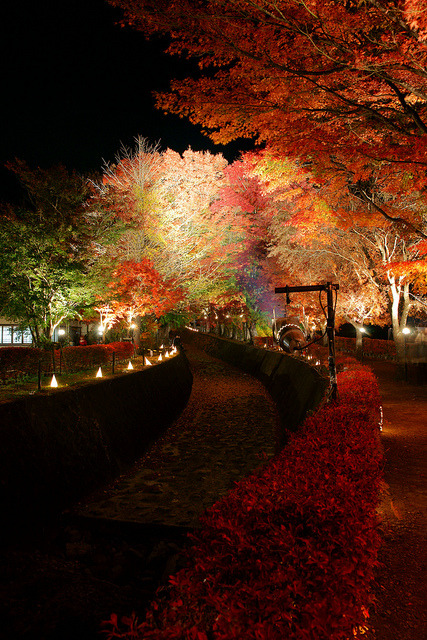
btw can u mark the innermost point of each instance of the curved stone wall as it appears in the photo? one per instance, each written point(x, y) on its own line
point(59, 445)
point(295, 386)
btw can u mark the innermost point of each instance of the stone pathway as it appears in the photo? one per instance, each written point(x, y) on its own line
point(227, 430)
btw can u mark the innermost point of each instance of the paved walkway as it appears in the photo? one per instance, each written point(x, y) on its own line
point(227, 429)
point(402, 580)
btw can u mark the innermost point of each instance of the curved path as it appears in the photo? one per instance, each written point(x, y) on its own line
point(401, 612)
point(227, 430)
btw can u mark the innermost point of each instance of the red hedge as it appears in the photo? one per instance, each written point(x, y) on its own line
point(86, 357)
point(372, 347)
point(19, 361)
point(290, 552)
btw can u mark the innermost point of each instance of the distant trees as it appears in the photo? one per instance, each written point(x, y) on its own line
point(49, 247)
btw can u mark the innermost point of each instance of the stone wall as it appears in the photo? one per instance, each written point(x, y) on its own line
point(295, 386)
point(59, 445)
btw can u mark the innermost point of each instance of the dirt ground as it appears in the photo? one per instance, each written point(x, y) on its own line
point(62, 580)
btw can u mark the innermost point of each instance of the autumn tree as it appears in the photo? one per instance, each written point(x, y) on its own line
point(165, 197)
point(246, 209)
point(363, 256)
point(341, 84)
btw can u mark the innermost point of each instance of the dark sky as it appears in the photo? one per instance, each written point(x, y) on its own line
point(74, 85)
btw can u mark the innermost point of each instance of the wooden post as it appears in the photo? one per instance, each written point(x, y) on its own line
point(330, 329)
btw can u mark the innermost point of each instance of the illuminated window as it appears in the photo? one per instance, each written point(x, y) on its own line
point(12, 334)
point(7, 334)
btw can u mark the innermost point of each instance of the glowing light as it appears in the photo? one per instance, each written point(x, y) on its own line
point(61, 332)
point(99, 373)
point(130, 366)
point(167, 354)
point(147, 362)
point(100, 331)
point(133, 326)
point(406, 330)
point(53, 382)
point(160, 358)
point(362, 330)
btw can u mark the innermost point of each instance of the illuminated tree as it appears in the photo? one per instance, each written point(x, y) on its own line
point(341, 84)
point(363, 259)
point(50, 247)
point(165, 197)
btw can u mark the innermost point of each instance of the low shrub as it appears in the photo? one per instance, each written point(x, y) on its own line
point(290, 552)
point(372, 347)
point(16, 362)
point(87, 357)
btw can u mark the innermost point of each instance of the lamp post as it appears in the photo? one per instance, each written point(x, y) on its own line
point(406, 331)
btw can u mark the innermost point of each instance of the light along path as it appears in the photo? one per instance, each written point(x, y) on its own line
point(227, 430)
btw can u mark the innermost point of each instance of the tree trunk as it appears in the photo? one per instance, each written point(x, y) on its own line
point(400, 305)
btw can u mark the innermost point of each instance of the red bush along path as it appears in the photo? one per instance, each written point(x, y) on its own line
point(290, 552)
point(20, 361)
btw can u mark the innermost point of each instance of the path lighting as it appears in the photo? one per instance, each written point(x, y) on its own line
point(147, 362)
point(99, 373)
point(53, 382)
point(167, 354)
point(130, 365)
point(160, 358)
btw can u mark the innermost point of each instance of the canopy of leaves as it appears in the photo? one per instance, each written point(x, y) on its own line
point(49, 246)
point(340, 83)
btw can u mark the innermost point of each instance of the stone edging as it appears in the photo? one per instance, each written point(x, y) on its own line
point(295, 386)
point(59, 446)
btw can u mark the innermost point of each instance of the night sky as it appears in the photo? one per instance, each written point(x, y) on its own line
point(75, 85)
